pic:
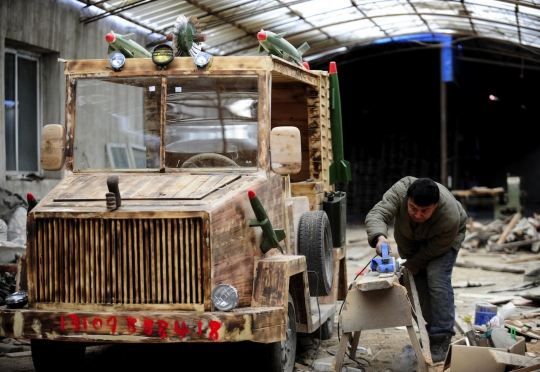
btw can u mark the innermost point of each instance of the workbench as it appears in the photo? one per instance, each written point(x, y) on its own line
point(376, 301)
point(505, 202)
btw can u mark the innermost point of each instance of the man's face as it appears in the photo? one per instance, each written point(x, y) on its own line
point(420, 214)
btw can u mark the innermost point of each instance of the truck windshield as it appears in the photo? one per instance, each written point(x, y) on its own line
point(117, 123)
point(210, 122)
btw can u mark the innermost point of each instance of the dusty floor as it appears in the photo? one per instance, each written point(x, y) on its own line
point(379, 346)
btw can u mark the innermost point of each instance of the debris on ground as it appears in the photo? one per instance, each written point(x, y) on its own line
point(7, 286)
point(504, 235)
point(13, 213)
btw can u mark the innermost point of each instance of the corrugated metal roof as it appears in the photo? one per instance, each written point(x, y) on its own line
point(328, 26)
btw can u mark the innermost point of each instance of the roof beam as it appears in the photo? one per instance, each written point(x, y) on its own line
point(115, 11)
point(210, 12)
point(468, 14)
point(419, 16)
point(517, 22)
point(353, 2)
point(314, 27)
point(470, 17)
point(522, 3)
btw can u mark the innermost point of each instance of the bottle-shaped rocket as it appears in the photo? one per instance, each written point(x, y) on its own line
point(340, 170)
point(275, 44)
point(32, 202)
point(126, 46)
point(271, 237)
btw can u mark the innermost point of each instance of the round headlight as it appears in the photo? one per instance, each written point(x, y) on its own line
point(224, 297)
point(17, 300)
point(162, 55)
point(117, 60)
point(202, 59)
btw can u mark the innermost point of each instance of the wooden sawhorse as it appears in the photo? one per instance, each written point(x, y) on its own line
point(379, 301)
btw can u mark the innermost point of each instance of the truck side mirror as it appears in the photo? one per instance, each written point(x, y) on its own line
point(285, 150)
point(53, 138)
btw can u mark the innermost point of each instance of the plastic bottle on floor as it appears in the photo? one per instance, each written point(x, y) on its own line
point(406, 361)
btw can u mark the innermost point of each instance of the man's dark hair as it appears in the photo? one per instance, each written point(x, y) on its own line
point(423, 192)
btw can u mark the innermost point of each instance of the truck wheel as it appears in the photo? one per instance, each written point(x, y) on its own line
point(208, 159)
point(282, 355)
point(326, 331)
point(57, 356)
point(315, 242)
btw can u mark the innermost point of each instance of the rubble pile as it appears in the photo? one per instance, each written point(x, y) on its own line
point(504, 235)
point(13, 212)
point(7, 286)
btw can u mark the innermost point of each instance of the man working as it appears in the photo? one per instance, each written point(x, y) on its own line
point(429, 227)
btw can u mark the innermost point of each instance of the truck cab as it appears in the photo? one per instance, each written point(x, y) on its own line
point(196, 207)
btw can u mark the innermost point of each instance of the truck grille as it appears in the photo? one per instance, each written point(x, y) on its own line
point(119, 261)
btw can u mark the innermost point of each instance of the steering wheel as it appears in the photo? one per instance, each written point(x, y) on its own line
point(208, 159)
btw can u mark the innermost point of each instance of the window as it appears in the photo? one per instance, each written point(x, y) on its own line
point(22, 108)
point(128, 129)
point(137, 155)
point(118, 155)
point(217, 115)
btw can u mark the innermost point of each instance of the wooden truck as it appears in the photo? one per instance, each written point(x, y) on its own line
point(196, 207)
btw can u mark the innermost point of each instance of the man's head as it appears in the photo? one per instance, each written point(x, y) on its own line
point(423, 196)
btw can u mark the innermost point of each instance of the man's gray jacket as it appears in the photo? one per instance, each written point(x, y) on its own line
point(419, 243)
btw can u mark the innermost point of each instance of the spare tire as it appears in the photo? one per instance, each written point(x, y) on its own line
point(315, 242)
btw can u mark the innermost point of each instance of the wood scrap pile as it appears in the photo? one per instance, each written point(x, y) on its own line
point(7, 286)
point(504, 235)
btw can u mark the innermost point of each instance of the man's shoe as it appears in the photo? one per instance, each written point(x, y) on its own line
point(439, 345)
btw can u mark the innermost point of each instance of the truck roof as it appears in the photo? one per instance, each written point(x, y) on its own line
point(281, 70)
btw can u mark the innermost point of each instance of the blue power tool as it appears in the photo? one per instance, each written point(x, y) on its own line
point(384, 264)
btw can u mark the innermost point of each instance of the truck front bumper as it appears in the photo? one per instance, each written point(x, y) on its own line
point(258, 324)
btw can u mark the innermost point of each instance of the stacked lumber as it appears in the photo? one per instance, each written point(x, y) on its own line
point(504, 235)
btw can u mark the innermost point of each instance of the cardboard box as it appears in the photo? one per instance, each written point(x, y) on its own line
point(463, 358)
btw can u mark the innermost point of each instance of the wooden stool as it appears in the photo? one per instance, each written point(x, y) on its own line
point(379, 301)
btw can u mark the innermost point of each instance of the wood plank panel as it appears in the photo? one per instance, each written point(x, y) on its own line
point(131, 260)
point(103, 257)
point(183, 246)
point(193, 186)
point(141, 292)
point(289, 108)
point(170, 263)
point(209, 184)
point(260, 325)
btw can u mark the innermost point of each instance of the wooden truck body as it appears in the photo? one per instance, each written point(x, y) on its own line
point(143, 270)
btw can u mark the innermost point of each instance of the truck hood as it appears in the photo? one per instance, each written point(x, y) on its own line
point(93, 187)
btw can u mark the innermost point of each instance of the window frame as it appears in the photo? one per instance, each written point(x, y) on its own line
point(20, 53)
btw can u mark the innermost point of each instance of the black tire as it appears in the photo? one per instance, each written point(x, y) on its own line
point(315, 242)
point(281, 356)
point(208, 159)
point(326, 331)
point(58, 356)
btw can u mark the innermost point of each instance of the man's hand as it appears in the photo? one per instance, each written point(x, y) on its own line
point(412, 267)
point(380, 241)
